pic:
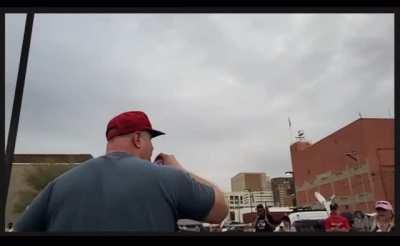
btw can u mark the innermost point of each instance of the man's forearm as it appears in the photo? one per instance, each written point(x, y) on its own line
point(219, 209)
point(206, 182)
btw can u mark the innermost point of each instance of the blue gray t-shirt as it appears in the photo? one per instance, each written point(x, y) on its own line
point(118, 192)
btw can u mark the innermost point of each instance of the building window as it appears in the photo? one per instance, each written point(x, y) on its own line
point(232, 215)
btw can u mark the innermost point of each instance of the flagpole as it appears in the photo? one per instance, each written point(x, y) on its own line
point(290, 130)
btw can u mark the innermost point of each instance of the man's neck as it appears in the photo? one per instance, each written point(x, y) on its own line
point(117, 151)
point(121, 151)
point(112, 148)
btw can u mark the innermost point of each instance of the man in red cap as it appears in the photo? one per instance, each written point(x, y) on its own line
point(123, 190)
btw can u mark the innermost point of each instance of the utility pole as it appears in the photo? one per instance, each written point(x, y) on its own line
point(16, 110)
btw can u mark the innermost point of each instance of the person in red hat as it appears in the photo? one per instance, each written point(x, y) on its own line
point(123, 190)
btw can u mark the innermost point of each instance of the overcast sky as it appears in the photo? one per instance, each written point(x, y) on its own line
point(222, 86)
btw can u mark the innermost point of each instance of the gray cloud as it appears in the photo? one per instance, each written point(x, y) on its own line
point(221, 85)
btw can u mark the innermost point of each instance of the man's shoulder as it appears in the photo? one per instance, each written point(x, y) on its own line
point(125, 163)
point(169, 172)
point(82, 170)
point(133, 162)
point(116, 158)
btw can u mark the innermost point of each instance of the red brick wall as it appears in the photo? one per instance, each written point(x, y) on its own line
point(356, 184)
point(371, 140)
point(366, 182)
point(342, 187)
point(249, 217)
point(379, 147)
point(326, 155)
point(301, 197)
point(326, 190)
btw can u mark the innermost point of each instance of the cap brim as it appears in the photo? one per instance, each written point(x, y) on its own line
point(155, 133)
point(383, 208)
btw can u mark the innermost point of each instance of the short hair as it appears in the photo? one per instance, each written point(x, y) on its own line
point(359, 212)
point(333, 206)
point(260, 206)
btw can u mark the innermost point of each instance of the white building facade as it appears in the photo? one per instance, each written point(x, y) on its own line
point(242, 202)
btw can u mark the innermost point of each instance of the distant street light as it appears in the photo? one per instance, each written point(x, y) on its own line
point(289, 173)
point(293, 195)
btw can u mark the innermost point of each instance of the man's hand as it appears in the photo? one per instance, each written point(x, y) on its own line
point(169, 160)
point(220, 209)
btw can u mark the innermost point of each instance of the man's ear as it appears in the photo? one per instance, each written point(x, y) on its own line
point(136, 140)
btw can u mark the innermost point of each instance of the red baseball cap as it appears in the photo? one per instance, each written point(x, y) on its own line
point(129, 122)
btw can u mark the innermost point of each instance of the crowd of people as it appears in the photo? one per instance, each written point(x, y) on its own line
point(381, 221)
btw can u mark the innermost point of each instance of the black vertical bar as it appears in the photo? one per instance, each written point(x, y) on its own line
point(19, 91)
point(396, 118)
point(3, 167)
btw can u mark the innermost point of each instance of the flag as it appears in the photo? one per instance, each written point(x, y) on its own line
point(290, 123)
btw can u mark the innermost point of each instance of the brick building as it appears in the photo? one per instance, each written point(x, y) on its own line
point(356, 163)
point(251, 182)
